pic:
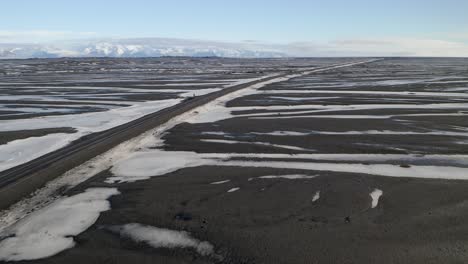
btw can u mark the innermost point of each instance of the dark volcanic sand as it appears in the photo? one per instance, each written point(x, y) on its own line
point(271, 221)
point(186, 137)
point(6, 137)
point(275, 220)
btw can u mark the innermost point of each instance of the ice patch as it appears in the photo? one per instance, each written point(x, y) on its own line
point(375, 195)
point(51, 230)
point(164, 238)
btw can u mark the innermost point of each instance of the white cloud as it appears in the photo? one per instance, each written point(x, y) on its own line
point(381, 47)
point(36, 36)
point(456, 36)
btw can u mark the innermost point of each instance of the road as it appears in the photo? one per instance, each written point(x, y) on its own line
point(20, 181)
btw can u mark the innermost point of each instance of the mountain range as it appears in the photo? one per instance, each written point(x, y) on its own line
point(147, 47)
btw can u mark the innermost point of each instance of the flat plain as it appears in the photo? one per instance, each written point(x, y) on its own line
point(365, 163)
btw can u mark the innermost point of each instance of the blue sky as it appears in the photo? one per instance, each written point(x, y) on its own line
point(266, 21)
point(272, 21)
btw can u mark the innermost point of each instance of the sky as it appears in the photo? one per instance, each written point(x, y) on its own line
point(431, 26)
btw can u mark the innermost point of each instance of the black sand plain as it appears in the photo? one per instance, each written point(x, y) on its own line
point(276, 220)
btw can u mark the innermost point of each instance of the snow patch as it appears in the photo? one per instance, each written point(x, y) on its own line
point(233, 190)
point(220, 182)
point(51, 230)
point(223, 141)
point(164, 238)
point(157, 162)
point(316, 196)
point(375, 195)
point(366, 132)
point(302, 98)
point(143, 165)
point(48, 193)
point(404, 93)
point(289, 177)
point(429, 172)
point(23, 150)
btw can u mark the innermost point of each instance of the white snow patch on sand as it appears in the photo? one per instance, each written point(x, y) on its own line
point(366, 132)
point(156, 162)
point(216, 110)
point(220, 182)
point(457, 89)
point(302, 98)
point(375, 195)
point(143, 165)
point(316, 196)
point(233, 190)
point(223, 141)
point(458, 160)
point(276, 110)
point(51, 230)
point(429, 172)
point(164, 238)
point(431, 94)
point(90, 122)
point(23, 150)
point(282, 133)
point(289, 177)
point(216, 133)
point(327, 116)
point(48, 193)
point(358, 116)
point(199, 92)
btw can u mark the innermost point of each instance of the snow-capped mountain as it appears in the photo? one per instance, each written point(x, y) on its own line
point(154, 47)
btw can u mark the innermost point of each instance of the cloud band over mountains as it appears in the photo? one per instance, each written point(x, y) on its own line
point(44, 44)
